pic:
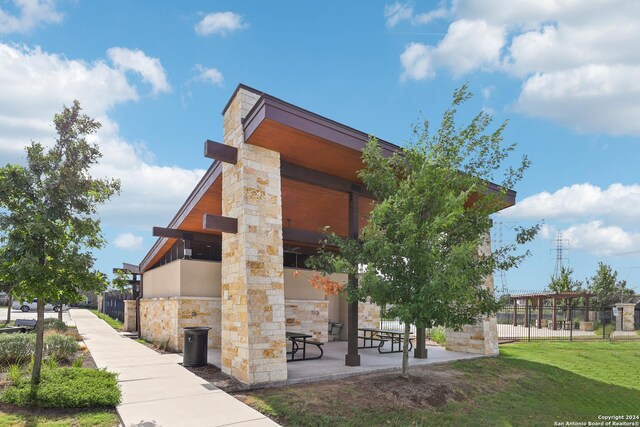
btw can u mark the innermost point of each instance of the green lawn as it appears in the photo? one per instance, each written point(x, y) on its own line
point(114, 323)
point(57, 418)
point(530, 384)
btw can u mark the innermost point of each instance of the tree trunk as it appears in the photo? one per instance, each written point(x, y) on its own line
point(405, 350)
point(9, 307)
point(60, 312)
point(37, 357)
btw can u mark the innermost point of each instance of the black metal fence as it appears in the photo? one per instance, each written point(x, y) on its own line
point(113, 304)
point(564, 322)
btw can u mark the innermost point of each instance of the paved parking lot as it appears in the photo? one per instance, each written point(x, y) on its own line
point(17, 314)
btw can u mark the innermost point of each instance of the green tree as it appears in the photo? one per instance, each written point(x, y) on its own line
point(564, 282)
point(607, 288)
point(423, 254)
point(48, 218)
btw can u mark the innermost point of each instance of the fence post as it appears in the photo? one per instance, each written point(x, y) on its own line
point(604, 325)
point(570, 320)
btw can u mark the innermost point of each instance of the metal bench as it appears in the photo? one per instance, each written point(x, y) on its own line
point(26, 324)
point(10, 330)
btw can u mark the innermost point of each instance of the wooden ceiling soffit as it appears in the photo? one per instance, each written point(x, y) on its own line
point(270, 108)
point(221, 152)
point(220, 223)
point(214, 171)
point(321, 179)
point(174, 233)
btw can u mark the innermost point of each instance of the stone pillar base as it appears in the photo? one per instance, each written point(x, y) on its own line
point(130, 315)
point(477, 339)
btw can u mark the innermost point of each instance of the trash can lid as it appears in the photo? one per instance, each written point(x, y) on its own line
point(196, 329)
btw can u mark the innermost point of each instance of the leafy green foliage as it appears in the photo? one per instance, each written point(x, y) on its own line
point(564, 282)
point(60, 347)
point(438, 335)
point(48, 223)
point(607, 288)
point(16, 348)
point(78, 362)
point(423, 255)
point(55, 324)
point(20, 348)
point(15, 374)
point(67, 388)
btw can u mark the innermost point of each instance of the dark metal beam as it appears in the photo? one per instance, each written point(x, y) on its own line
point(174, 233)
point(221, 152)
point(220, 223)
point(321, 179)
point(296, 235)
point(352, 358)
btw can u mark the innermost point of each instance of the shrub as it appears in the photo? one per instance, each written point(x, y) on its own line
point(15, 375)
point(78, 362)
point(55, 324)
point(438, 335)
point(67, 388)
point(60, 347)
point(16, 348)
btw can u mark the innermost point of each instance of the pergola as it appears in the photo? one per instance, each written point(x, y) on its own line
point(539, 299)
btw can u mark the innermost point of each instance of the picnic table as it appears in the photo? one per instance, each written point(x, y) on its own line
point(299, 342)
point(376, 338)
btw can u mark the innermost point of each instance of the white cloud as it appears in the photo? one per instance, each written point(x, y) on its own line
point(128, 241)
point(209, 75)
point(32, 13)
point(576, 59)
point(35, 85)
point(468, 45)
point(220, 23)
point(149, 69)
point(417, 62)
point(618, 202)
point(398, 12)
point(596, 238)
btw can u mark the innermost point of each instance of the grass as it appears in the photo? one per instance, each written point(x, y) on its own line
point(114, 323)
point(530, 384)
point(13, 417)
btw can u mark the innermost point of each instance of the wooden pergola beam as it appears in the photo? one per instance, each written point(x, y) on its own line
point(174, 233)
point(224, 224)
point(222, 152)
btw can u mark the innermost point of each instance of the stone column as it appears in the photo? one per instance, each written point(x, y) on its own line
point(481, 338)
point(253, 314)
point(625, 321)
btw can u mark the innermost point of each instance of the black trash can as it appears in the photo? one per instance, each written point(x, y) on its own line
point(195, 346)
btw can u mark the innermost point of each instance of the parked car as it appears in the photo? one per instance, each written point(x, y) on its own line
point(33, 305)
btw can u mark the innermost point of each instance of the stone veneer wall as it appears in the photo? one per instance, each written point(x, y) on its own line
point(162, 319)
point(626, 317)
point(368, 315)
point(308, 317)
point(481, 338)
point(130, 315)
point(253, 313)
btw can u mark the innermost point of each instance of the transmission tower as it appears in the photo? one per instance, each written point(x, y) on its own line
point(501, 282)
point(560, 258)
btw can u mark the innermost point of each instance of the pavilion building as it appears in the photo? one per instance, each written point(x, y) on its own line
point(228, 258)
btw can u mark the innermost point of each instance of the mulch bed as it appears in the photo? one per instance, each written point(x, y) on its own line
point(215, 376)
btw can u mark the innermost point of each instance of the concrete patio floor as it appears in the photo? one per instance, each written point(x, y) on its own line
point(332, 366)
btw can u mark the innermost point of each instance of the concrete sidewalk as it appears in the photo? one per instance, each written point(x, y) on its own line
point(156, 391)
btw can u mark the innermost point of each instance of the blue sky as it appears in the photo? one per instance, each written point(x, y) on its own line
point(157, 75)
